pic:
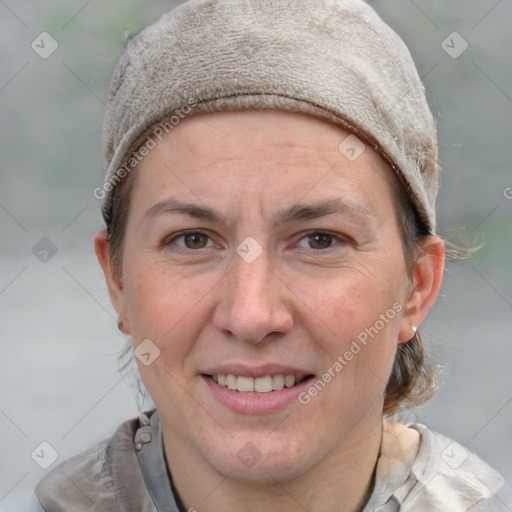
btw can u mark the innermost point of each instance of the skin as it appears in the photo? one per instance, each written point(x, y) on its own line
point(301, 302)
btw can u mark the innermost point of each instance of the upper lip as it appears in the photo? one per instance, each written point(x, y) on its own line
point(255, 371)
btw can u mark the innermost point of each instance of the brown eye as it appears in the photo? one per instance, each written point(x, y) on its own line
point(195, 240)
point(192, 240)
point(320, 240)
point(323, 242)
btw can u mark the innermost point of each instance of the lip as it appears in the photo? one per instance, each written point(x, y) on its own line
point(255, 403)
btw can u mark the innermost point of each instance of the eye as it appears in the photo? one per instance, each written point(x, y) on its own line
point(191, 240)
point(320, 240)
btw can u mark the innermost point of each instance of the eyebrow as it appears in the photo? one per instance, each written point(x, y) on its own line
point(296, 213)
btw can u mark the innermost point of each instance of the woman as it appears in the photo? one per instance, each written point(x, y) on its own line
point(270, 249)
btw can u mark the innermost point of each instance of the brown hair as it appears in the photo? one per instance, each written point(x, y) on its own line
point(412, 379)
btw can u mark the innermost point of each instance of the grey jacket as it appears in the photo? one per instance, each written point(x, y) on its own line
point(127, 473)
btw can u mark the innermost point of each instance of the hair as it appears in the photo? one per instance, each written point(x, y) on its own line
point(412, 380)
point(413, 377)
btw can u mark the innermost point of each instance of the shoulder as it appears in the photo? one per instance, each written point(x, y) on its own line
point(446, 476)
point(80, 479)
point(99, 478)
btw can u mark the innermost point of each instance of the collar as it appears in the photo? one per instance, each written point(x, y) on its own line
point(149, 448)
point(399, 447)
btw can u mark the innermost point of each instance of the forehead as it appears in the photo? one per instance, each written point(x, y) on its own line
point(259, 151)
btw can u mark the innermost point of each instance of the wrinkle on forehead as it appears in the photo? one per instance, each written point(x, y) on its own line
point(218, 151)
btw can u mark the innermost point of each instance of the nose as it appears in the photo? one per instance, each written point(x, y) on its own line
point(253, 302)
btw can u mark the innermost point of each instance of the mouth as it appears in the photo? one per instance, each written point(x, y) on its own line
point(260, 390)
point(257, 385)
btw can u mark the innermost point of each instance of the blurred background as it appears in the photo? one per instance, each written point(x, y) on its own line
point(59, 378)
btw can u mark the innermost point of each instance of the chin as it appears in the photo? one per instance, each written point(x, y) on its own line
point(253, 458)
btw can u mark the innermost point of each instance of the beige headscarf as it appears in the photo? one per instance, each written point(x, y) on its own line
point(334, 59)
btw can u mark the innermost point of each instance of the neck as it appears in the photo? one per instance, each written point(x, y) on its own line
point(340, 482)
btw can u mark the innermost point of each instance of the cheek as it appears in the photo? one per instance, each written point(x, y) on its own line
point(361, 310)
point(164, 305)
point(354, 301)
point(170, 310)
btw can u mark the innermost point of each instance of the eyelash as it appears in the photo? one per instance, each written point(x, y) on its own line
point(341, 239)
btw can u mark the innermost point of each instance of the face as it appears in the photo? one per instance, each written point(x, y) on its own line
point(257, 254)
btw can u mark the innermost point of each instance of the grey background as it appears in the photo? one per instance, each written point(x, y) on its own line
point(59, 381)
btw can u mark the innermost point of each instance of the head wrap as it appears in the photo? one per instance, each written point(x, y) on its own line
point(333, 59)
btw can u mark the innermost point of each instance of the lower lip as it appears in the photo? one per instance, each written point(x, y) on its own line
point(256, 403)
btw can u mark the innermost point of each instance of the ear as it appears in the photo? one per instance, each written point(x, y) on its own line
point(114, 283)
point(426, 282)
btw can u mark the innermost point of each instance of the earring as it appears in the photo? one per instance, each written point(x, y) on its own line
point(414, 329)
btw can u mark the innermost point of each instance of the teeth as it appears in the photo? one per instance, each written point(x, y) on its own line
point(263, 384)
point(289, 381)
point(278, 382)
point(245, 384)
point(231, 382)
point(258, 385)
